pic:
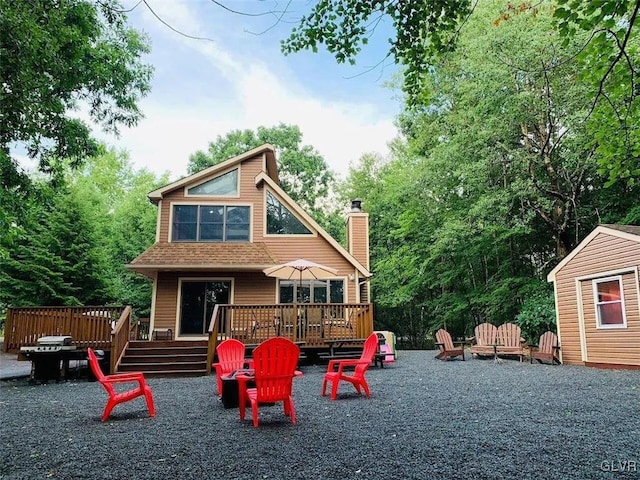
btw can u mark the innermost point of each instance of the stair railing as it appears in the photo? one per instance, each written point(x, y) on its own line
point(213, 336)
point(120, 338)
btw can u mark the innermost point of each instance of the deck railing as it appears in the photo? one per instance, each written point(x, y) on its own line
point(308, 323)
point(88, 326)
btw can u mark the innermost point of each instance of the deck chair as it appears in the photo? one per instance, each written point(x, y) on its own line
point(230, 358)
point(115, 398)
point(337, 369)
point(509, 340)
point(484, 339)
point(275, 362)
point(447, 348)
point(547, 349)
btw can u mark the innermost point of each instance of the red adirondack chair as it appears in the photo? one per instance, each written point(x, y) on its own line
point(274, 363)
point(547, 349)
point(115, 398)
point(230, 358)
point(360, 366)
point(447, 348)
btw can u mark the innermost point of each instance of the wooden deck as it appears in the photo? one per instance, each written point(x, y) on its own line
point(313, 326)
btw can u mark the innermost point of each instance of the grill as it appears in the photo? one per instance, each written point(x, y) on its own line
point(50, 357)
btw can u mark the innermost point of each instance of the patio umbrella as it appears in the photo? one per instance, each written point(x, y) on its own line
point(300, 269)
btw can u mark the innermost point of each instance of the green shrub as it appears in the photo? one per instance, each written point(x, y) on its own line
point(538, 314)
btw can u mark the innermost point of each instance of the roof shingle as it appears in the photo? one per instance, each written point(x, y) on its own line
point(190, 255)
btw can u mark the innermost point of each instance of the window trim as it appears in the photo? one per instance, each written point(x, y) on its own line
point(208, 179)
point(595, 282)
point(312, 231)
point(328, 280)
point(215, 204)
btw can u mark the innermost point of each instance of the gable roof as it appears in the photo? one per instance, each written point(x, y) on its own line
point(270, 164)
point(203, 256)
point(628, 232)
point(262, 177)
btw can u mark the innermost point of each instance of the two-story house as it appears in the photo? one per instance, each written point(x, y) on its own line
point(219, 229)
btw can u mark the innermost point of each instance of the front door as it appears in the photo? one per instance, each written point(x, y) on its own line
point(197, 299)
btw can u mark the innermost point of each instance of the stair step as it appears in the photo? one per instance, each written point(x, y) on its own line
point(168, 343)
point(166, 358)
point(142, 359)
point(175, 373)
point(167, 351)
point(152, 367)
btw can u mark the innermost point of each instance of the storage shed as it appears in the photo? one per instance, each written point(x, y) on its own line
point(597, 299)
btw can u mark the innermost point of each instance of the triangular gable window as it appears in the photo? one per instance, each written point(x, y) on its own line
point(222, 186)
point(281, 221)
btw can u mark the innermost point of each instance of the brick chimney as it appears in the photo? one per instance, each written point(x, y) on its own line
point(358, 233)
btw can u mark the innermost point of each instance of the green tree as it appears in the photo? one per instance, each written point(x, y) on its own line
point(303, 173)
point(495, 182)
point(610, 61)
point(423, 30)
point(125, 219)
point(55, 57)
point(55, 259)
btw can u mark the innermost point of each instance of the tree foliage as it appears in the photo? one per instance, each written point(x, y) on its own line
point(422, 29)
point(77, 238)
point(496, 182)
point(425, 31)
point(58, 57)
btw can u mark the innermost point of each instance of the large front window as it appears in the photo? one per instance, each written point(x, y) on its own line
point(312, 291)
point(210, 223)
point(609, 302)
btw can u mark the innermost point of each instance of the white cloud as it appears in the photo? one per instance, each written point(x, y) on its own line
point(241, 93)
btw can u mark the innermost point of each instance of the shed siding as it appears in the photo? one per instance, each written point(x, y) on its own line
point(605, 253)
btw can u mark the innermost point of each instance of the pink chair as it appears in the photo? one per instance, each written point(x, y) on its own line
point(230, 358)
point(360, 366)
point(108, 382)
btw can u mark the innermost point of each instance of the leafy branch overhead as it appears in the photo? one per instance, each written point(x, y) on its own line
point(57, 59)
point(422, 29)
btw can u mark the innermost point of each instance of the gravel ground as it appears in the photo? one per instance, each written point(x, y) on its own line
point(427, 419)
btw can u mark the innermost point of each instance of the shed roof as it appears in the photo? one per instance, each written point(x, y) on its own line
point(204, 256)
point(629, 232)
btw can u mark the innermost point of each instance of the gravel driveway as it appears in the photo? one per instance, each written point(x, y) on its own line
point(427, 419)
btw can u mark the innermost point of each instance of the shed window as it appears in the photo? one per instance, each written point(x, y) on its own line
point(609, 300)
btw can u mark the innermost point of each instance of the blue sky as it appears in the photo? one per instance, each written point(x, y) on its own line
point(241, 80)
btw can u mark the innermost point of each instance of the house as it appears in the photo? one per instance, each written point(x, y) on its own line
point(218, 229)
point(597, 299)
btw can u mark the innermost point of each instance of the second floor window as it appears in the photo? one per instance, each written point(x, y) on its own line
point(281, 221)
point(210, 223)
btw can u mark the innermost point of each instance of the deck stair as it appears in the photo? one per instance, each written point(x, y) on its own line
point(166, 358)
